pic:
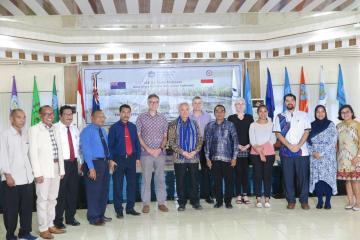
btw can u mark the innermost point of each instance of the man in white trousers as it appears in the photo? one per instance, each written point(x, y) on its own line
point(48, 168)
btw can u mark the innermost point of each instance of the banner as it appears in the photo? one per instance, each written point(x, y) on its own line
point(173, 84)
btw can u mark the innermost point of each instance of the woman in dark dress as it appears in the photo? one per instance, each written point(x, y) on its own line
point(242, 123)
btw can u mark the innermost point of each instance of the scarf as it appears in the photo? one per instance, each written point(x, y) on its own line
point(187, 134)
point(318, 126)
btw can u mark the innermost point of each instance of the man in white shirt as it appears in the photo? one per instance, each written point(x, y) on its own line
point(17, 178)
point(69, 185)
point(48, 167)
point(292, 128)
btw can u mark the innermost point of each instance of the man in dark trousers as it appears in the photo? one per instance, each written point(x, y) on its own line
point(125, 150)
point(94, 146)
point(69, 185)
point(17, 178)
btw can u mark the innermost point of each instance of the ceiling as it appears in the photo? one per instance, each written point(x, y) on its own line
point(155, 7)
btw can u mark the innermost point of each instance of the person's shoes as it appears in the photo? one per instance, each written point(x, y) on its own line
point(27, 237)
point(163, 208)
point(218, 205)
point(228, 205)
point(209, 200)
point(259, 205)
point(181, 208)
point(120, 215)
point(197, 206)
point(98, 222)
point(290, 206)
point(12, 238)
point(46, 235)
point(146, 209)
point(305, 206)
point(59, 225)
point(356, 209)
point(327, 206)
point(319, 205)
point(132, 212)
point(267, 205)
point(73, 223)
point(107, 219)
point(55, 230)
point(349, 207)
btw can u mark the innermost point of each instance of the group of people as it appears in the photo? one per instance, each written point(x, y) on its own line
point(313, 156)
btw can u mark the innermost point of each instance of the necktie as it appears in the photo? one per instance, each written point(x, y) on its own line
point(128, 145)
point(71, 146)
point(105, 146)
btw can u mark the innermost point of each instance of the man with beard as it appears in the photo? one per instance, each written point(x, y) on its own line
point(292, 129)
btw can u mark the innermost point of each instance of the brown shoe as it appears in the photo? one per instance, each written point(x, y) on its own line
point(55, 230)
point(46, 235)
point(146, 209)
point(163, 208)
point(305, 206)
point(99, 223)
point(290, 206)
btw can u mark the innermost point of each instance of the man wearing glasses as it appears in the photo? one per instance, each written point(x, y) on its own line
point(48, 167)
point(152, 131)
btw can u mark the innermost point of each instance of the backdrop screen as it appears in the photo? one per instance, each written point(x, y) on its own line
point(219, 84)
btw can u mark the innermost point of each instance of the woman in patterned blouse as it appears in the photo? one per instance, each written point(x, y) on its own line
point(348, 156)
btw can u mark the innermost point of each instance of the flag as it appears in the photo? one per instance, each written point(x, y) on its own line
point(247, 94)
point(340, 95)
point(234, 84)
point(269, 99)
point(287, 88)
point(303, 102)
point(80, 109)
point(322, 90)
point(35, 116)
point(14, 103)
point(55, 103)
point(95, 101)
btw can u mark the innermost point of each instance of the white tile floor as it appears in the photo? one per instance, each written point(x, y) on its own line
point(242, 222)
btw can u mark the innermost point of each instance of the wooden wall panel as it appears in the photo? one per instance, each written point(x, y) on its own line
point(254, 74)
point(70, 86)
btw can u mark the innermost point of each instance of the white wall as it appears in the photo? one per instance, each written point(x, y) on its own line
point(351, 75)
point(24, 75)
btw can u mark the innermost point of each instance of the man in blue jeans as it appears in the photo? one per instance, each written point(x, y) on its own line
point(292, 128)
point(125, 150)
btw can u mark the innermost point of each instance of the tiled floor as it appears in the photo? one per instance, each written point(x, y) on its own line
point(241, 222)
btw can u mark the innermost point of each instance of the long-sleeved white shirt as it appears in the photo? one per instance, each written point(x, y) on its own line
point(14, 160)
point(261, 133)
point(75, 135)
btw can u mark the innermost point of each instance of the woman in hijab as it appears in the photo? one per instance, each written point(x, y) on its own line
point(323, 164)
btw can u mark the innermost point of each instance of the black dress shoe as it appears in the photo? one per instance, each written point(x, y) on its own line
point(120, 215)
point(327, 206)
point(319, 206)
point(197, 206)
point(132, 212)
point(228, 205)
point(218, 205)
point(209, 200)
point(60, 225)
point(181, 208)
point(73, 223)
point(98, 223)
point(107, 219)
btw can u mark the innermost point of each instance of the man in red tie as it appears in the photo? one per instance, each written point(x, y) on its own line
point(69, 185)
point(125, 150)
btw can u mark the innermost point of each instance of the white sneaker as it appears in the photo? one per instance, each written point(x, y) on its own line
point(259, 205)
point(356, 209)
point(349, 207)
point(267, 205)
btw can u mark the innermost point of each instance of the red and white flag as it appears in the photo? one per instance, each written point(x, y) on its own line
point(80, 107)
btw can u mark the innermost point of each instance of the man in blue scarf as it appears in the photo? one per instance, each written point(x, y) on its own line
point(185, 140)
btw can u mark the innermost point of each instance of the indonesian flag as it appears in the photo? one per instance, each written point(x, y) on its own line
point(80, 109)
point(303, 103)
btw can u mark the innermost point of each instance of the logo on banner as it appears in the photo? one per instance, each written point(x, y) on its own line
point(118, 85)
